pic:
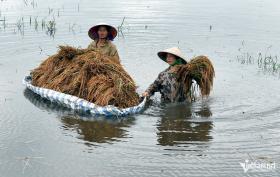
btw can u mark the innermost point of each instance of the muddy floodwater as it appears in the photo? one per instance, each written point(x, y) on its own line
point(223, 135)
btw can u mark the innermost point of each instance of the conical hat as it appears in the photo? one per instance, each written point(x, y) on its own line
point(174, 51)
point(92, 33)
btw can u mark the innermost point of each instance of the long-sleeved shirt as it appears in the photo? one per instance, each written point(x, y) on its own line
point(108, 48)
point(170, 89)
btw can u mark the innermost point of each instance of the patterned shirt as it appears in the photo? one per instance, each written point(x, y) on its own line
point(108, 48)
point(170, 89)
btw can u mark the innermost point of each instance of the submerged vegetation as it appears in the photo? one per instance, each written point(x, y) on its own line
point(268, 63)
point(46, 23)
point(122, 27)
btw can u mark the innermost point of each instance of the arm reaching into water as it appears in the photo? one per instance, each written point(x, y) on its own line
point(154, 87)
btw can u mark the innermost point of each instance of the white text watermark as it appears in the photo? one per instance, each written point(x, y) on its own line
point(258, 166)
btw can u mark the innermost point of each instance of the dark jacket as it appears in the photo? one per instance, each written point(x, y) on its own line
point(170, 89)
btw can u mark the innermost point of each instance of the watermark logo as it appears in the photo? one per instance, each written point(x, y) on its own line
point(257, 166)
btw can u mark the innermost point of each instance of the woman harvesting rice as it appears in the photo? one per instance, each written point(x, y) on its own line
point(103, 34)
point(167, 83)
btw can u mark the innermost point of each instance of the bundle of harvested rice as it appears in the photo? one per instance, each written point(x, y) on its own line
point(199, 69)
point(89, 75)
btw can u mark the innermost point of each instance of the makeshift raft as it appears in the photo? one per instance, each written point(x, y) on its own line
point(82, 105)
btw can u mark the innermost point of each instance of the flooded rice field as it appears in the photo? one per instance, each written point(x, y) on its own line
point(223, 135)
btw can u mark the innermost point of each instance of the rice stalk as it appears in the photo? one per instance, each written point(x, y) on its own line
point(87, 74)
point(199, 69)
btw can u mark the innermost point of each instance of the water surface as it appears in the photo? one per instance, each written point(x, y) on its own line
point(239, 121)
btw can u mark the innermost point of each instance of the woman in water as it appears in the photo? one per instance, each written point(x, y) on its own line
point(102, 35)
point(167, 83)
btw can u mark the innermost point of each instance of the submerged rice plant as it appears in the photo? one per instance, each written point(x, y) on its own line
point(4, 22)
point(269, 63)
point(46, 23)
point(51, 28)
point(20, 25)
point(122, 27)
point(266, 62)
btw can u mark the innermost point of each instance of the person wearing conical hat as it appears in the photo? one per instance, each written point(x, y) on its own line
point(167, 83)
point(103, 35)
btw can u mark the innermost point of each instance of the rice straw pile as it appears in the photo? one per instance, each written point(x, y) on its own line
point(89, 75)
point(199, 69)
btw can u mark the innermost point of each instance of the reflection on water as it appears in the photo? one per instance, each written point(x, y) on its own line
point(98, 131)
point(179, 125)
point(90, 129)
